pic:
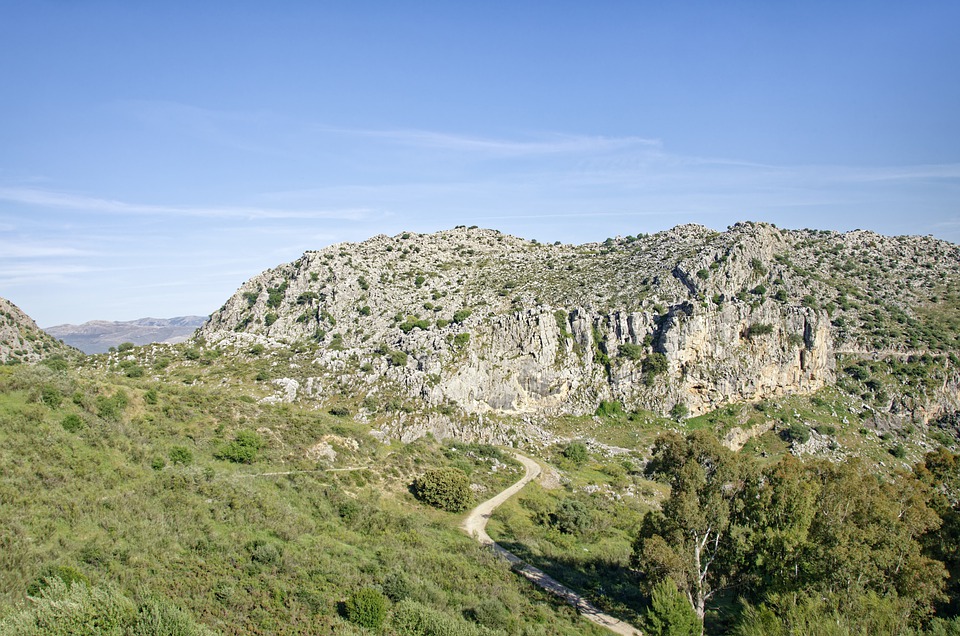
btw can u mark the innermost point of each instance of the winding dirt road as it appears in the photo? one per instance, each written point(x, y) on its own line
point(475, 525)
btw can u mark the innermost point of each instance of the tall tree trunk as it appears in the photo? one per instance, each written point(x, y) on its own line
point(700, 605)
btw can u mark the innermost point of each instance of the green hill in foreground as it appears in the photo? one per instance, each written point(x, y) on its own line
point(260, 480)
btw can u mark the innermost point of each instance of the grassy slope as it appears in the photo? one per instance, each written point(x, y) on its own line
point(244, 553)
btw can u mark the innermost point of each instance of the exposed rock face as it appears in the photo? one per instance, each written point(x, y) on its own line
point(688, 317)
point(21, 340)
point(97, 336)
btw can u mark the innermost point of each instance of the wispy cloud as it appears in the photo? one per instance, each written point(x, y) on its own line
point(921, 172)
point(28, 274)
point(61, 200)
point(21, 249)
point(545, 145)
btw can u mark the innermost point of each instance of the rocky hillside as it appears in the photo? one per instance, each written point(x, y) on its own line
point(683, 320)
point(97, 336)
point(21, 340)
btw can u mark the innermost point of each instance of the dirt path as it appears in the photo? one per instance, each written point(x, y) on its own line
point(475, 525)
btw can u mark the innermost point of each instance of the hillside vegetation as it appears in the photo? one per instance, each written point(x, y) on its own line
point(252, 518)
point(755, 431)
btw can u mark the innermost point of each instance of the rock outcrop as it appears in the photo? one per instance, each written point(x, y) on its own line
point(22, 341)
point(683, 320)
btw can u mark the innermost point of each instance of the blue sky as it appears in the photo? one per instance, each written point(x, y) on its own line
point(153, 156)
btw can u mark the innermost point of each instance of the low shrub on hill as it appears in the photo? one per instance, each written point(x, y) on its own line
point(445, 488)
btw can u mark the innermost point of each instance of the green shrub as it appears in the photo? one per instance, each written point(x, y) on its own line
point(461, 339)
point(110, 408)
point(242, 450)
point(653, 365)
point(630, 351)
point(56, 363)
point(670, 613)
point(125, 346)
point(826, 429)
point(397, 586)
point(445, 488)
point(181, 455)
point(414, 322)
point(275, 295)
point(797, 433)
point(339, 411)
point(576, 452)
point(367, 607)
point(51, 396)
point(679, 411)
point(757, 329)
point(411, 618)
point(491, 613)
point(265, 552)
point(269, 319)
point(461, 314)
point(68, 575)
point(609, 409)
point(72, 423)
point(397, 358)
point(62, 610)
point(571, 517)
point(158, 617)
point(899, 451)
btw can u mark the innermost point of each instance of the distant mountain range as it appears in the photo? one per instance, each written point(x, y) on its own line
point(97, 336)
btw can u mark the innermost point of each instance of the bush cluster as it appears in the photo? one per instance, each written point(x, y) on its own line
point(367, 607)
point(445, 488)
point(242, 450)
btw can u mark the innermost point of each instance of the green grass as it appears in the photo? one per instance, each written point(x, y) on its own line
point(242, 550)
point(595, 559)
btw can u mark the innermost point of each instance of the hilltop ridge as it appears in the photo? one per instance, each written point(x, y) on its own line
point(22, 341)
point(683, 320)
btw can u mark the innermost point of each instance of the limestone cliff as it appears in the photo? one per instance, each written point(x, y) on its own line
point(688, 317)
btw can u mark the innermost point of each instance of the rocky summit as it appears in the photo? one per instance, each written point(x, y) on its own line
point(682, 321)
point(22, 341)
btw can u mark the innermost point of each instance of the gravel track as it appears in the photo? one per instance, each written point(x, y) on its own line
point(475, 525)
